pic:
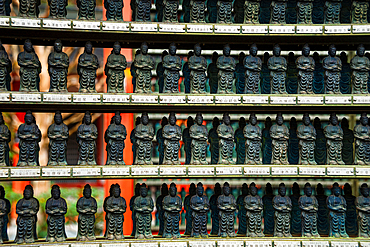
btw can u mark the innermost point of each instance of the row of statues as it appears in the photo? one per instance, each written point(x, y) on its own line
point(219, 11)
point(282, 215)
point(169, 73)
point(252, 144)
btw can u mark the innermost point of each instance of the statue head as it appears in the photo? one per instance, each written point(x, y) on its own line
point(332, 50)
point(306, 50)
point(87, 118)
point(164, 189)
point(282, 189)
point(343, 57)
point(55, 192)
point(144, 118)
point(245, 189)
point(364, 120)
point(2, 192)
point(226, 118)
point(215, 122)
point(173, 190)
point(164, 53)
point(317, 123)
point(137, 189)
point(164, 121)
point(253, 189)
point(172, 49)
point(276, 50)
point(307, 189)
point(336, 189)
point(226, 189)
point(364, 189)
point(116, 191)
point(144, 48)
point(293, 123)
point(253, 119)
point(87, 191)
point(360, 50)
point(192, 189)
point(28, 46)
point(172, 118)
point(268, 123)
point(242, 122)
point(117, 118)
point(279, 119)
point(344, 123)
point(306, 119)
point(241, 57)
point(333, 119)
point(268, 189)
point(88, 47)
point(253, 50)
point(28, 118)
point(347, 189)
point(117, 48)
point(143, 190)
point(58, 46)
point(226, 50)
point(200, 189)
point(58, 119)
point(1, 118)
point(319, 189)
point(199, 118)
point(197, 50)
point(296, 189)
point(217, 189)
point(28, 192)
point(190, 122)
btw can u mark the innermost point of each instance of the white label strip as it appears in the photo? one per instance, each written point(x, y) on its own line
point(173, 244)
point(115, 26)
point(281, 29)
point(24, 172)
point(144, 244)
point(343, 244)
point(255, 99)
point(315, 243)
point(255, 170)
point(360, 28)
point(230, 243)
point(116, 245)
point(165, 170)
point(287, 243)
point(284, 170)
point(57, 24)
point(339, 171)
point(200, 99)
point(361, 99)
point(4, 172)
point(26, 97)
point(228, 170)
point(201, 171)
point(150, 99)
point(86, 25)
point(23, 22)
point(228, 99)
point(136, 27)
point(258, 243)
point(337, 29)
point(86, 98)
point(5, 21)
point(310, 100)
point(199, 28)
point(4, 97)
point(255, 29)
point(365, 244)
point(312, 171)
point(82, 172)
point(172, 28)
point(142, 171)
point(172, 99)
point(56, 172)
point(202, 243)
point(282, 100)
point(362, 171)
point(113, 98)
point(116, 171)
point(308, 29)
point(338, 100)
point(227, 29)
point(67, 98)
point(85, 245)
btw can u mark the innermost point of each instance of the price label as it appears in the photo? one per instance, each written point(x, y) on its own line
point(228, 170)
point(116, 171)
point(312, 170)
point(172, 99)
point(255, 99)
point(24, 172)
point(172, 28)
point(284, 170)
point(199, 28)
point(86, 25)
point(315, 243)
point(173, 244)
point(58, 24)
point(338, 29)
point(361, 99)
point(5, 21)
point(22, 22)
point(170, 170)
point(144, 244)
point(360, 171)
point(344, 244)
point(258, 243)
point(136, 27)
point(332, 100)
point(149, 99)
point(116, 26)
point(202, 243)
point(56, 172)
point(255, 29)
point(310, 100)
point(227, 28)
point(201, 171)
point(86, 98)
point(116, 245)
point(52, 245)
point(200, 99)
point(26, 97)
point(230, 243)
point(309, 29)
point(256, 170)
point(361, 29)
point(4, 97)
point(282, 29)
point(287, 243)
point(282, 100)
point(86, 172)
point(84, 245)
point(142, 171)
point(4, 172)
point(228, 99)
point(114, 98)
point(67, 98)
point(339, 171)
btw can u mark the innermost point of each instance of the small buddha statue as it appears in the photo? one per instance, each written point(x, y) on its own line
point(226, 141)
point(337, 213)
point(362, 141)
point(283, 206)
point(226, 204)
point(115, 137)
point(254, 206)
point(58, 134)
point(334, 137)
point(143, 208)
point(144, 134)
point(56, 208)
point(332, 66)
point(199, 136)
point(280, 136)
point(87, 133)
point(172, 206)
point(87, 208)
point(226, 68)
point(115, 70)
point(30, 68)
point(309, 207)
point(200, 205)
point(172, 136)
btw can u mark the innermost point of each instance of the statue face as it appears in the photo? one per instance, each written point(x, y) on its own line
point(172, 50)
point(365, 192)
point(199, 119)
point(28, 47)
point(143, 192)
point(116, 192)
point(197, 51)
point(87, 193)
point(332, 51)
point(282, 190)
point(226, 190)
point(145, 119)
point(88, 48)
point(28, 119)
point(276, 51)
point(364, 120)
point(172, 120)
point(361, 51)
point(58, 119)
point(27, 194)
point(279, 120)
point(87, 119)
point(117, 120)
point(306, 121)
point(200, 191)
point(336, 191)
point(144, 49)
point(58, 47)
point(306, 51)
point(308, 191)
point(117, 49)
point(253, 120)
point(226, 120)
point(253, 191)
point(173, 191)
point(253, 51)
point(226, 51)
point(55, 193)
point(334, 120)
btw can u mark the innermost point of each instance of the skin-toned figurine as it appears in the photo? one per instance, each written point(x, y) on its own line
point(197, 11)
point(172, 136)
point(253, 136)
point(332, 66)
point(27, 209)
point(337, 213)
point(362, 144)
point(86, 9)
point(186, 138)
point(113, 10)
point(282, 205)
point(332, 11)
point(5, 137)
point(144, 63)
point(268, 210)
point(307, 135)
point(143, 208)
point(309, 207)
point(226, 68)
point(87, 133)
point(30, 136)
point(170, 8)
point(253, 67)
point(58, 134)
point(278, 11)
point(252, 12)
point(142, 10)
point(199, 136)
point(115, 137)
point(359, 12)
point(198, 67)
point(188, 209)
point(212, 72)
point(56, 208)
point(254, 206)
point(226, 205)
point(214, 209)
point(172, 206)
point(242, 212)
point(87, 65)
point(172, 67)
point(360, 66)
point(115, 207)
point(224, 9)
point(144, 134)
point(8, 207)
point(277, 66)
point(58, 62)
point(200, 205)
point(304, 11)
point(30, 69)
point(29, 8)
point(58, 9)
point(280, 135)
point(86, 207)
point(5, 69)
point(115, 70)
point(226, 141)
point(334, 136)
point(363, 209)
point(159, 206)
point(5, 11)
point(239, 140)
point(214, 140)
point(305, 66)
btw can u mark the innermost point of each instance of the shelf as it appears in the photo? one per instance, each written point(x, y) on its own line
point(183, 103)
point(182, 171)
point(15, 30)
